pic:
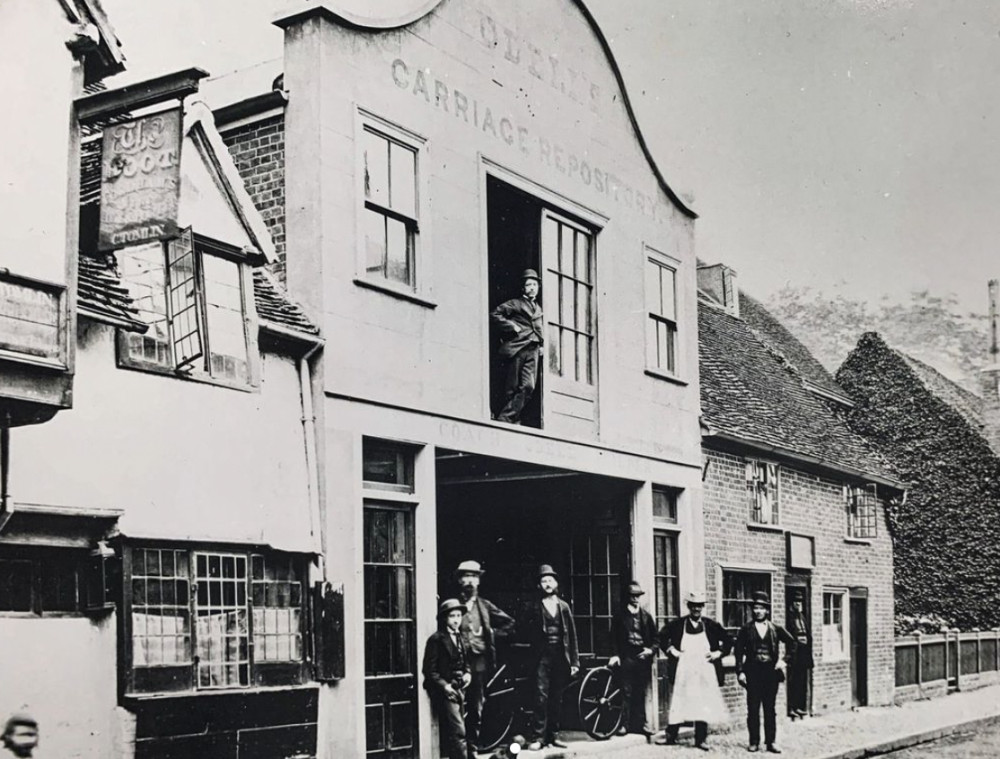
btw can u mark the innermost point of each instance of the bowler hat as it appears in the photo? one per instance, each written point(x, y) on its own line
point(696, 597)
point(635, 589)
point(449, 605)
point(760, 597)
point(530, 274)
point(798, 595)
point(469, 568)
point(547, 570)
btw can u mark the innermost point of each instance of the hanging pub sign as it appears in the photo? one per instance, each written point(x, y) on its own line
point(140, 180)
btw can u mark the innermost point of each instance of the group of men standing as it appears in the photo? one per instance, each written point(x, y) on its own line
point(460, 658)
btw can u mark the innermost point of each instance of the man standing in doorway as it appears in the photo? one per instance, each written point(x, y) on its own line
point(695, 645)
point(760, 669)
point(520, 323)
point(482, 624)
point(634, 635)
point(446, 676)
point(551, 631)
point(802, 661)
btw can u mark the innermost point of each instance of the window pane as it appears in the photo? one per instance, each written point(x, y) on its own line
point(583, 308)
point(667, 293)
point(222, 627)
point(568, 340)
point(403, 165)
point(277, 610)
point(376, 149)
point(375, 242)
point(664, 504)
point(583, 257)
point(161, 626)
point(143, 274)
point(388, 464)
point(226, 326)
point(566, 253)
point(397, 251)
point(15, 585)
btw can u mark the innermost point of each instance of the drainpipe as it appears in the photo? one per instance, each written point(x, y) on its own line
point(6, 503)
point(312, 466)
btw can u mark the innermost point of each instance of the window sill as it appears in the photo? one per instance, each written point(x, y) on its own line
point(139, 697)
point(837, 658)
point(762, 527)
point(667, 377)
point(198, 378)
point(395, 292)
point(858, 541)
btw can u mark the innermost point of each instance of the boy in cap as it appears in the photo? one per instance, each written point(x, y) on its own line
point(634, 635)
point(760, 669)
point(20, 735)
point(520, 324)
point(446, 675)
point(482, 625)
point(552, 633)
point(695, 645)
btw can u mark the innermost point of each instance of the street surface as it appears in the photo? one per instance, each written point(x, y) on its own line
point(983, 744)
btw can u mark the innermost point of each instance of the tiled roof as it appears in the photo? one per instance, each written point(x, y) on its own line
point(101, 295)
point(754, 394)
point(777, 337)
point(969, 405)
point(274, 307)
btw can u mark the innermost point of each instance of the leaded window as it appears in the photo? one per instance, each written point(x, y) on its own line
point(862, 511)
point(214, 619)
point(763, 492)
point(738, 588)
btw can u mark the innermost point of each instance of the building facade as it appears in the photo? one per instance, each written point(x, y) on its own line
point(421, 163)
point(794, 501)
point(162, 536)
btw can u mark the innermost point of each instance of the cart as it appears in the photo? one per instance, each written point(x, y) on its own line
point(597, 694)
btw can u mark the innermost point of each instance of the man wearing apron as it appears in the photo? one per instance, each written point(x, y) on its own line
point(696, 645)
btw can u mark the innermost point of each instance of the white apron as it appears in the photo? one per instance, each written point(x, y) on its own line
point(696, 695)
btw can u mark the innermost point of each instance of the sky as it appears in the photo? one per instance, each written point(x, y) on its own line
point(850, 146)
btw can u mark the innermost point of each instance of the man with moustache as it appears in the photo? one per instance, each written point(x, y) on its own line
point(634, 636)
point(695, 645)
point(551, 632)
point(520, 324)
point(482, 625)
point(760, 669)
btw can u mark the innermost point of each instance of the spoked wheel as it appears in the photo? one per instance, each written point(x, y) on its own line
point(601, 703)
point(498, 710)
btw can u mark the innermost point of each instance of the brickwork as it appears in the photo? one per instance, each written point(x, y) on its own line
point(810, 505)
point(258, 149)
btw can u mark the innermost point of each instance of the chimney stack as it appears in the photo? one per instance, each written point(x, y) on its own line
point(719, 282)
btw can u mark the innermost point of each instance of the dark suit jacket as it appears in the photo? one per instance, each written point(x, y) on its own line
point(442, 662)
point(718, 640)
point(776, 634)
point(620, 628)
point(523, 314)
point(495, 623)
point(534, 630)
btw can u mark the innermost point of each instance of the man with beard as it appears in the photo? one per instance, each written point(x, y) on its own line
point(551, 631)
point(760, 669)
point(634, 635)
point(482, 625)
point(695, 645)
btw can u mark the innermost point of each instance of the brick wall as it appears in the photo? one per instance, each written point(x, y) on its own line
point(814, 506)
point(258, 150)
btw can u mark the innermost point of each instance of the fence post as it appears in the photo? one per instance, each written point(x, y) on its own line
point(958, 659)
point(947, 658)
point(920, 661)
point(996, 647)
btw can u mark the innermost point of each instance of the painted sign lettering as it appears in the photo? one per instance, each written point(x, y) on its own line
point(29, 320)
point(505, 128)
point(140, 180)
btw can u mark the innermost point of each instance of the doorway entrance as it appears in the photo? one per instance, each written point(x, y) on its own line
point(859, 649)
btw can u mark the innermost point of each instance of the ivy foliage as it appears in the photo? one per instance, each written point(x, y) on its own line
point(946, 536)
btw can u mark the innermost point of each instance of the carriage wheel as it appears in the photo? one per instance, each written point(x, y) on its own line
point(498, 710)
point(601, 703)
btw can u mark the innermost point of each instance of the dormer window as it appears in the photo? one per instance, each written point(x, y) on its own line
point(192, 293)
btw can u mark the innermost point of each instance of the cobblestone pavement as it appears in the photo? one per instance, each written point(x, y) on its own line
point(843, 734)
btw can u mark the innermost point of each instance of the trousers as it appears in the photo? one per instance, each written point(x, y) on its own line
point(521, 374)
point(700, 733)
point(635, 677)
point(452, 724)
point(762, 692)
point(551, 677)
point(475, 698)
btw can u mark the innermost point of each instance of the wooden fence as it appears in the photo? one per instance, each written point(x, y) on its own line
point(950, 660)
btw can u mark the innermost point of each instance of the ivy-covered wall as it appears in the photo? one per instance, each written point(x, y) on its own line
point(946, 537)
